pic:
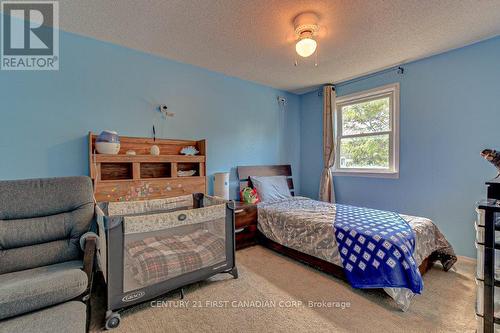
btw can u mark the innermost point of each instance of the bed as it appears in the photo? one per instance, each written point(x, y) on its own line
point(301, 228)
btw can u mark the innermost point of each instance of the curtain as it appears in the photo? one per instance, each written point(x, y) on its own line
point(326, 190)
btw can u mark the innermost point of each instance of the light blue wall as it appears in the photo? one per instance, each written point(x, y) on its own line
point(450, 111)
point(45, 116)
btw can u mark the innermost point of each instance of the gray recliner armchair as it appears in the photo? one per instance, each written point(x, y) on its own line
point(45, 264)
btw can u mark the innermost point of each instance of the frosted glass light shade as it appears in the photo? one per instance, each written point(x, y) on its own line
point(306, 47)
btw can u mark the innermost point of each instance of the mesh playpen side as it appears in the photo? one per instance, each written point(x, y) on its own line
point(156, 246)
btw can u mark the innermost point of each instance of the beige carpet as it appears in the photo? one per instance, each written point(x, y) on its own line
point(273, 293)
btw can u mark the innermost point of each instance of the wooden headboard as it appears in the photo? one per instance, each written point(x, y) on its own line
point(143, 176)
point(245, 172)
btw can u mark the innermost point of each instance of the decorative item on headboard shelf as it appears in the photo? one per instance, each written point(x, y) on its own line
point(493, 157)
point(189, 151)
point(155, 150)
point(123, 177)
point(108, 142)
point(186, 173)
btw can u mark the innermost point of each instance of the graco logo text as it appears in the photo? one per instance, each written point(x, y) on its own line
point(30, 35)
point(133, 296)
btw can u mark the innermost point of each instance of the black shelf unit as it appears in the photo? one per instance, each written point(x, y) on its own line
point(491, 208)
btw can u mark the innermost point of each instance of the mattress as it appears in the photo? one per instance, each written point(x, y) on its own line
point(306, 225)
point(156, 259)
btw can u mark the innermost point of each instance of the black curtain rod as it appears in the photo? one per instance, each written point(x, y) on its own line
point(400, 70)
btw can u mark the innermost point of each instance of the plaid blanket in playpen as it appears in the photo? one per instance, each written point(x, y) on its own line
point(159, 258)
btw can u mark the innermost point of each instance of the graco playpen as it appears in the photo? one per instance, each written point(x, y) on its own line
point(156, 246)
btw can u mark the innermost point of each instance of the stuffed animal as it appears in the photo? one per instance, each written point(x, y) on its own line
point(493, 157)
point(249, 195)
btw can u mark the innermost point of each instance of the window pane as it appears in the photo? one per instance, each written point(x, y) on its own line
point(365, 152)
point(366, 117)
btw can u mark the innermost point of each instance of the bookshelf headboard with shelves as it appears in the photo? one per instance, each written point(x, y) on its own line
point(144, 176)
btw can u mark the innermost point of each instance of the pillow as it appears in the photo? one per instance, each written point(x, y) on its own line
point(271, 188)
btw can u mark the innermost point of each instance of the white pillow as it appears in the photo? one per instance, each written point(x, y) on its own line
point(271, 188)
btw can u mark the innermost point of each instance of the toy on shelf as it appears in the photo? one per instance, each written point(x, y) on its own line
point(249, 195)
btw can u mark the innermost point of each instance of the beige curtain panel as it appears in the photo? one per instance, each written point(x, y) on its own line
point(326, 190)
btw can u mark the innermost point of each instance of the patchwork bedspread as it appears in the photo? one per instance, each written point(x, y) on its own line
point(376, 248)
point(305, 225)
point(157, 259)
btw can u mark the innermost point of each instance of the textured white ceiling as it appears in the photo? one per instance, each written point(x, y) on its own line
point(254, 40)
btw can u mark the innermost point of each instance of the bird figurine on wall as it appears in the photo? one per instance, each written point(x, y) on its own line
point(493, 157)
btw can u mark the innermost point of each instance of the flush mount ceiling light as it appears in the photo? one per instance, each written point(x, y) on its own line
point(306, 29)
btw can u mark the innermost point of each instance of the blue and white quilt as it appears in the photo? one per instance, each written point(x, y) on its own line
point(376, 248)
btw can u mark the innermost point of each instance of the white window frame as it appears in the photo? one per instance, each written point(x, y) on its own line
point(391, 91)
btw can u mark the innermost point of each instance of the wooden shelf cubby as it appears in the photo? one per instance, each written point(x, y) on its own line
point(186, 166)
point(116, 171)
point(123, 177)
point(155, 170)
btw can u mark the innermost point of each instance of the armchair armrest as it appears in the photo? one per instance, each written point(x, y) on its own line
point(88, 242)
point(100, 229)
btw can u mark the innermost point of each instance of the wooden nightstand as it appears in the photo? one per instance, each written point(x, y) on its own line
point(245, 225)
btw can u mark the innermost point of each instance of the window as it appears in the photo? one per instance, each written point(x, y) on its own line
point(367, 133)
